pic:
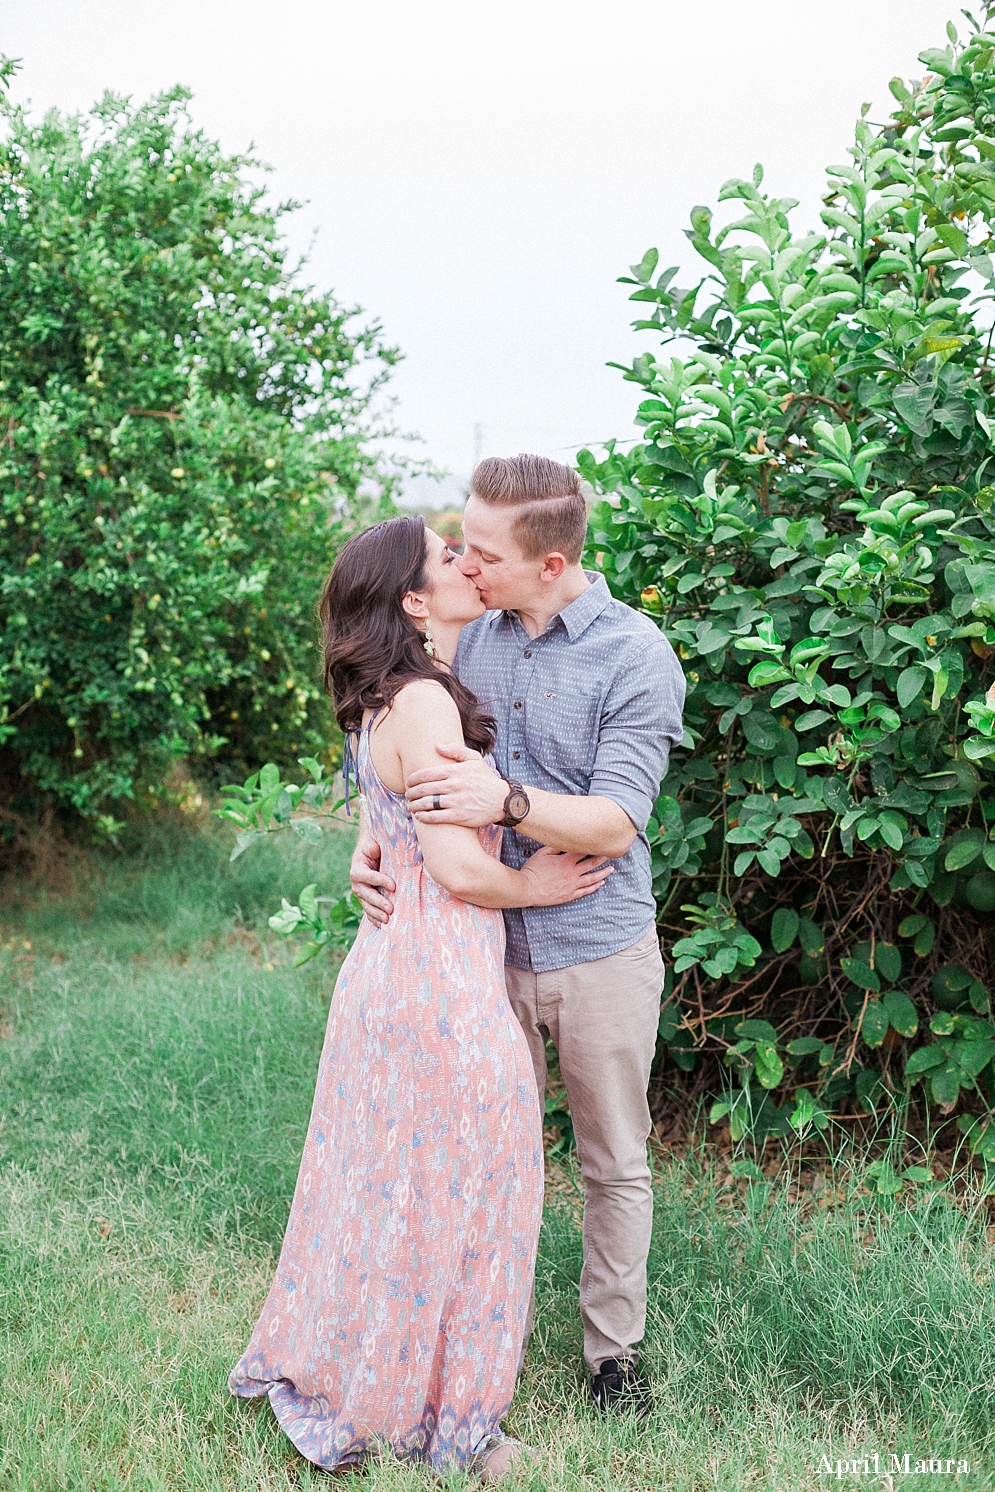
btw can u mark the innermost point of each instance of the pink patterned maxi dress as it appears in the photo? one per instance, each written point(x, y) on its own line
point(398, 1309)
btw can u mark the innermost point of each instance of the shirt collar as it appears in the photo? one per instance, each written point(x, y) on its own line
point(578, 616)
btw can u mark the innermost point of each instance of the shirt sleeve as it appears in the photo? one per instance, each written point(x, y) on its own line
point(640, 721)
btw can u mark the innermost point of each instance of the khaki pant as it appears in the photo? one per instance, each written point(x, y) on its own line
point(602, 1017)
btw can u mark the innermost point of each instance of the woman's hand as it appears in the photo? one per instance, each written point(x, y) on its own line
point(556, 877)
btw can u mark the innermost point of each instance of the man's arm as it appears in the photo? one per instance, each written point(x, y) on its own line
point(474, 795)
point(371, 887)
point(640, 721)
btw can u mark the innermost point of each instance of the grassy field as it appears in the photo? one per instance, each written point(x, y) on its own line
point(156, 1073)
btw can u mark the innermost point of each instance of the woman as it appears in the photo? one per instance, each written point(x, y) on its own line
point(398, 1311)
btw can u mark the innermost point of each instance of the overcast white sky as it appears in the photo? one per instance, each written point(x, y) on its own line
point(478, 176)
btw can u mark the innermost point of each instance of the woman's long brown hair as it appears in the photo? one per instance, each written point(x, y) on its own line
point(372, 647)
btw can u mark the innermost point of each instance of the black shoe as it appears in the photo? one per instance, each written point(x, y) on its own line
point(620, 1388)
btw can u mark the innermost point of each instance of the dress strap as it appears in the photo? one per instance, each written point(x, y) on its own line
point(350, 766)
point(350, 756)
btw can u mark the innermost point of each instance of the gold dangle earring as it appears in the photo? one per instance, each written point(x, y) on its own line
point(429, 643)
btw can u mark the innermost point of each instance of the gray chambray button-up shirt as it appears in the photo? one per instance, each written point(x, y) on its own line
point(592, 706)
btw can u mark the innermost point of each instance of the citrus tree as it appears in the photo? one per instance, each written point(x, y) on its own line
point(809, 516)
point(185, 437)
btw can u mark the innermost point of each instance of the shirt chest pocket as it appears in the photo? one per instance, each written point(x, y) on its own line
point(561, 729)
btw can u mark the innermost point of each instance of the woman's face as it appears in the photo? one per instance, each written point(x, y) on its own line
point(452, 597)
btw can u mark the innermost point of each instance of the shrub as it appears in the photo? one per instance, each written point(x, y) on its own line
point(808, 515)
point(185, 438)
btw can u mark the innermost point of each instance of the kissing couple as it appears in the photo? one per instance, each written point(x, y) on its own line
point(512, 725)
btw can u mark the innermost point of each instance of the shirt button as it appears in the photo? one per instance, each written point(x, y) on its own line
point(516, 755)
point(527, 653)
point(518, 704)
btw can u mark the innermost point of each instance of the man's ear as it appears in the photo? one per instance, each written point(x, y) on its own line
point(414, 603)
point(553, 567)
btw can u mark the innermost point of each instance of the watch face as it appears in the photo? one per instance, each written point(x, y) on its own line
point(518, 805)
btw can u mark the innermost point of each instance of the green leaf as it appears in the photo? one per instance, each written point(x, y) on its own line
point(755, 1030)
point(284, 807)
point(890, 833)
point(874, 1026)
point(769, 1066)
point(643, 271)
point(811, 719)
point(287, 919)
point(888, 961)
point(269, 777)
point(243, 841)
point(964, 847)
point(945, 1085)
point(811, 938)
point(924, 1058)
point(763, 674)
point(978, 996)
point(917, 1174)
point(950, 981)
point(924, 940)
point(973, 1056)
point(307, 951)
point(804, 1046)
point(953, 238)
point(762, 731)
point(785, 770)
point(784, 928)
point(746, 1170)
point(266, 805)
point(309, 830)
point(914, 403)
point(901, 1012)
point(860, 973)
point(233, 814)
point(883, 1178)
point(837, 795)
point(980, 1137)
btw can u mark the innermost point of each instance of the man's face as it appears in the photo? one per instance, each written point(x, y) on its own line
point(492, 559)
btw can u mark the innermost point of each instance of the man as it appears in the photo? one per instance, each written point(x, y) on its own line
point(587, 695)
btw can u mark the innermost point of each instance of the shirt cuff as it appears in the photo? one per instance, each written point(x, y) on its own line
point(632, 802)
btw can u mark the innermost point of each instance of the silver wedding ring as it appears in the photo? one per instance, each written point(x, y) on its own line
point(437, 803)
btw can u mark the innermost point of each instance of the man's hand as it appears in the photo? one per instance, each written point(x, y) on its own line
point(557, 877)
point(469, 791)
point(367, 879)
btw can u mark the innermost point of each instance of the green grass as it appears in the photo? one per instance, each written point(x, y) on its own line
point(154, 1091)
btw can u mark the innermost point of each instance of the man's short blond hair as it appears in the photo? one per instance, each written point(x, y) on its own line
point(552, 516)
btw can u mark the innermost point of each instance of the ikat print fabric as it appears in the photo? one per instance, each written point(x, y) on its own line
point(398, 1309)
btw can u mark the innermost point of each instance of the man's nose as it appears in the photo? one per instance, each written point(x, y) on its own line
point(468, 565)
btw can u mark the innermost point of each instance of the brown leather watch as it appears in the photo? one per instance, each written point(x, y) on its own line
point(516, 805)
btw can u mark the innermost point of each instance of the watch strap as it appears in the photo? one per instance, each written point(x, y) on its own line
point(510, 820)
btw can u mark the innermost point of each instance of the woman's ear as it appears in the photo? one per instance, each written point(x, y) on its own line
point(415, 605)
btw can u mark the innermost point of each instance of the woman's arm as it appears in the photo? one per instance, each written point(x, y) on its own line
point(422, 715)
